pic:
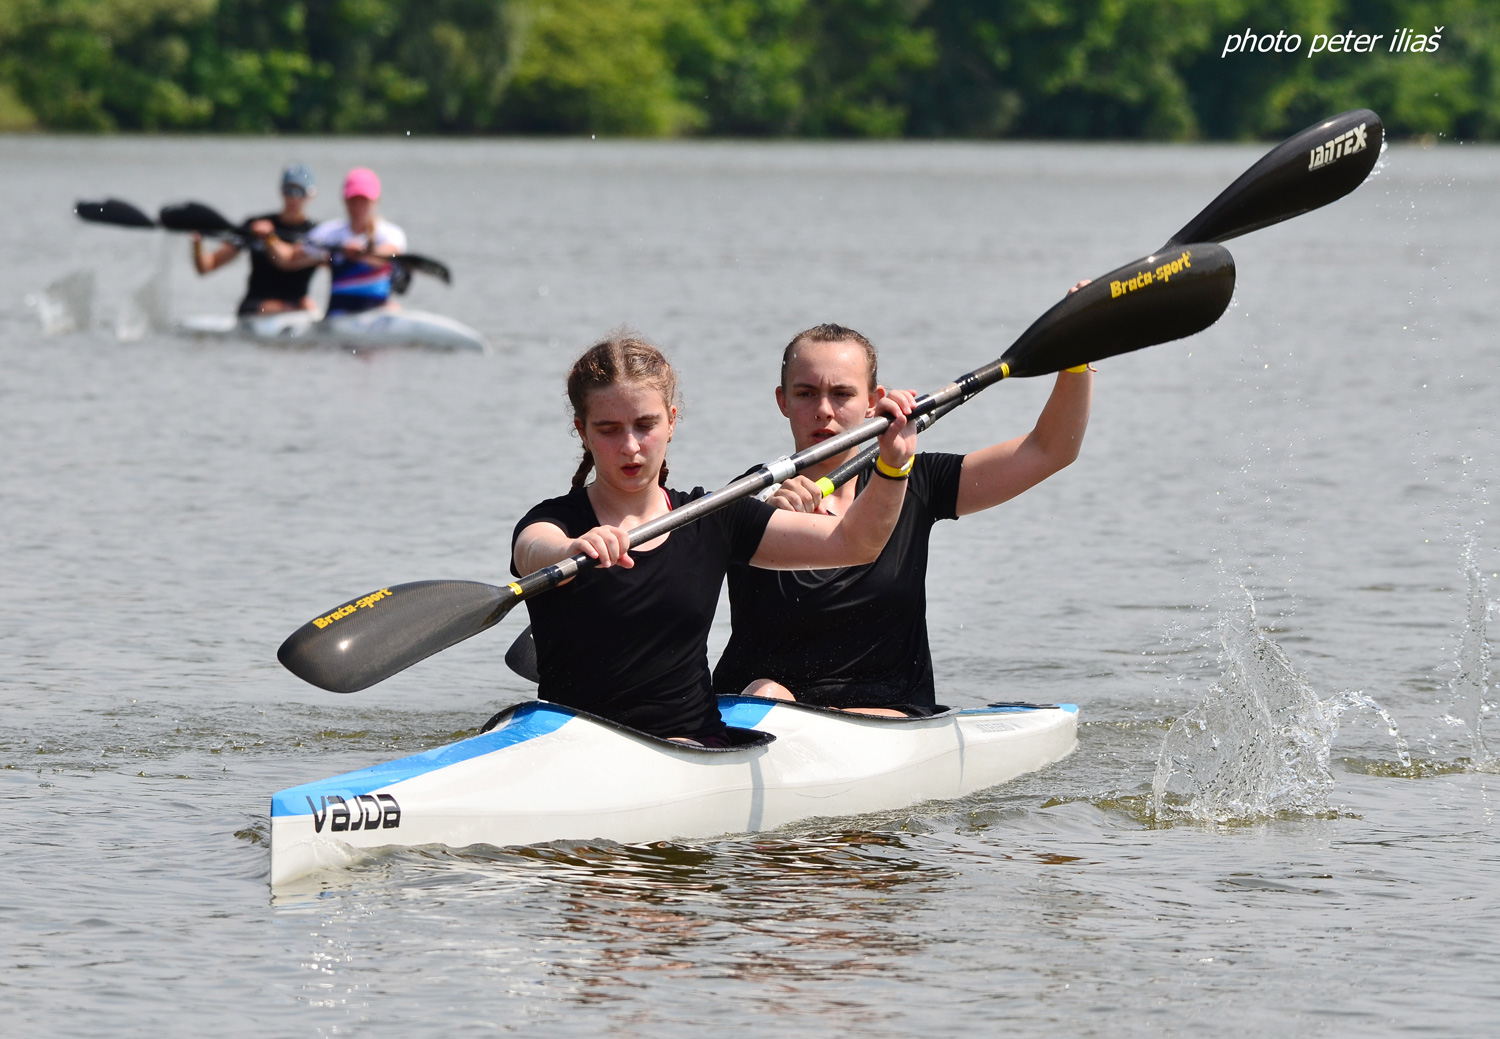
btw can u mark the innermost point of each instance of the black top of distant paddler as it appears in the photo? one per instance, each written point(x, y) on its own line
point(271, 289)
point(268, 281)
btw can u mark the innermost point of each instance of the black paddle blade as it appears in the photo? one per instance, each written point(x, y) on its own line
point(1157, 299)
point(369, 639)
point(427, 265)
point(1320, 165)
point(521, 657)
point(112, 211)
point(195, 216)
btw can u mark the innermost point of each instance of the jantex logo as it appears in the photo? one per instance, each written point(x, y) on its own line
point(1346, 143)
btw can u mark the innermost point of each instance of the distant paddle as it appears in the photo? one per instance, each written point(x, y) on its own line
point(112, 211)
point(197, 217)
point(1154, 300)
point(1308, 170)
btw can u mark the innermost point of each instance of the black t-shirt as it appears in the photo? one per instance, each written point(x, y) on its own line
point(632, 645)
point(268, 281)
point(855, 636)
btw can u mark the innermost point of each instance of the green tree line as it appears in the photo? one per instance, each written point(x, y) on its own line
point(1153, 69)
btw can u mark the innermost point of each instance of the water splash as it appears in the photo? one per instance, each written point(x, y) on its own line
point(1259, 744)
point(149, 309)
point(1471, 680)
point(67, 305)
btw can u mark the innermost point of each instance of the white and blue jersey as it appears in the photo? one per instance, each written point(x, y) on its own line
point(357, 284)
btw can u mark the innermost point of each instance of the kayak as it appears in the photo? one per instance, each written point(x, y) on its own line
point(544, 772)
point(371, 329)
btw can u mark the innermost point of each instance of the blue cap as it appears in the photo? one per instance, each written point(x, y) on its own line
point(298, 176)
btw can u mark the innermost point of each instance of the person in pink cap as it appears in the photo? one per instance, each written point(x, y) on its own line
point(356, 248)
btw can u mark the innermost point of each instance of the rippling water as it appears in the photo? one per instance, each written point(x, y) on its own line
point(171, 509)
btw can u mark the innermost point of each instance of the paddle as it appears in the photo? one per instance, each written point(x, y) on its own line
point(195, 216)
point(1154, 300)
point(1308, 170)
point(112, 211)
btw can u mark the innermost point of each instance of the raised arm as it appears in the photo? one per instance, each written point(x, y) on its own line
point(205, 262)
point(998, 473)
point(798, 540)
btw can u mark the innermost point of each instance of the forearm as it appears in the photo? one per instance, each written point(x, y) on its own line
point(996, 474)
point(539, 545)
point(290, 256)
point(205, 262)
point(1058, 435)
point(804, 541)
point(866, 526)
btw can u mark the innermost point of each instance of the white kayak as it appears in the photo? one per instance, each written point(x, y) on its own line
point(546, 772)
point(369, 330)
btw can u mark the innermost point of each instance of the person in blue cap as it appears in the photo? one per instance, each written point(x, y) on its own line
point(272, 289)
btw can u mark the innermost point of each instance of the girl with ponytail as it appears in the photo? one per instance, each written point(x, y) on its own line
point(628, 640)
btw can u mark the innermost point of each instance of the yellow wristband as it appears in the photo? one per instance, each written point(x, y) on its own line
point(891, 472)
point(1080, 368)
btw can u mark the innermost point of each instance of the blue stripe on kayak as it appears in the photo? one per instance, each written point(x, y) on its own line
point(1071, 708)
point(743, 713)
point(530, 721)
point(748, 712)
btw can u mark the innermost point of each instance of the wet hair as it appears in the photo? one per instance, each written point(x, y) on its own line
point(829, 334)
point(622, 357)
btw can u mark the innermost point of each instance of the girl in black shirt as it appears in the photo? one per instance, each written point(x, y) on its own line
point(628, 640)
point(855, 638)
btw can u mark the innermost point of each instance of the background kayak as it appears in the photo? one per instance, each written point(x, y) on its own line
point(370, 330)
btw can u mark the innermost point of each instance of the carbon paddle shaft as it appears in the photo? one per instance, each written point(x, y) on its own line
point(1154, 300)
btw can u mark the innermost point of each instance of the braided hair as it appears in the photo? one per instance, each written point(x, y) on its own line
point(622, 357)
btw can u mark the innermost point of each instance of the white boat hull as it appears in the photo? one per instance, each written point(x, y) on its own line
point(547, 773)
point(372, 329)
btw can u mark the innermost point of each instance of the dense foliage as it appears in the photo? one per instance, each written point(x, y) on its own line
point(965, 68)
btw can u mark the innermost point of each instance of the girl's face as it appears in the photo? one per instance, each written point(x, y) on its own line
point(827, 391)
point(626, 429)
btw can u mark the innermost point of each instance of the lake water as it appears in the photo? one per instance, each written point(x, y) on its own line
point(171, 509)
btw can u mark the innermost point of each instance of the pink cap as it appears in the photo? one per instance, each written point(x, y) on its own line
point(362, 182)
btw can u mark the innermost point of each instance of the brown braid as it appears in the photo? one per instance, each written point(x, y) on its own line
point(623, 357)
